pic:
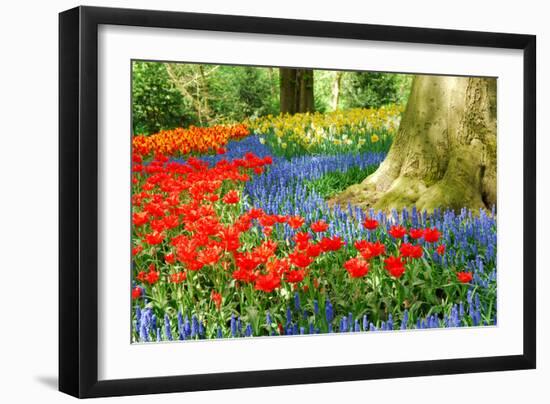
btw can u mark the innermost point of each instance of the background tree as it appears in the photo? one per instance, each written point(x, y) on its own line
point(156, 103)
point(243, 92)
point(335, 93)
point(343, 90)
point(444, 154)
point(296, 90)
point(191, 80)
point(372, 89)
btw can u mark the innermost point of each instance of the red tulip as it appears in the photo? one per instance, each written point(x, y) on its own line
point(152, 277)
point(398, 231)
point(216, 298)
point(136, 292)
point(464, 277)
point(370, 224)
point(431, 235)
point(267, 283)
point(232, 197)
point(296, 222)
point(301, 260)
point(154, 238)
point(295, 276)
point(302, 240)
point(170, 258)
point(394, 266)
point(356, 267)
point(331, 243)
point(416, 233)
point(411, 251)
point(178, 277)
point(319, 227)
point(140, 218)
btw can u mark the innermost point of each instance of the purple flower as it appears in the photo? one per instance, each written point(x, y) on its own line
point(167, 328)
point(329, 314)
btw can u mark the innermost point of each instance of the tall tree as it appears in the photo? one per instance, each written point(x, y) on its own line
point(296, 90)
point(287, 90)
point(305, 91)
point(191, 81)
point(371, 89)
point(336, 90)
point(444, 154)
point(156, 103)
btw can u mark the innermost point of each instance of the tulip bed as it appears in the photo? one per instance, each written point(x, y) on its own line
point(239, 241)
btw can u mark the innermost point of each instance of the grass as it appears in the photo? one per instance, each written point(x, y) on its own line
point(335, 182)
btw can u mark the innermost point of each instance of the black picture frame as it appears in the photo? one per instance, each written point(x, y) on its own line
point(78, 200)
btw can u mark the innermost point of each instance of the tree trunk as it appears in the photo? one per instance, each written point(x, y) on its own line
point(202, 86)
point(288, 81)
point(305, 99)
point(296, 90)
point(444, 154)
point(336, 91)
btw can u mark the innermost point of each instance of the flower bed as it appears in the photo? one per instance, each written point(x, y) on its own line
point(353, 130)
point(242, 243)
point(182, 141)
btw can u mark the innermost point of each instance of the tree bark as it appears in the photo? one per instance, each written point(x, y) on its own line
point(444, 153)
point(202, 86)
point(336, 91)
point(296, 90)
point(305, 99)
point(288, 81)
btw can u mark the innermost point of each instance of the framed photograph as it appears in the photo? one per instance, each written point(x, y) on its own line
point(251, 201)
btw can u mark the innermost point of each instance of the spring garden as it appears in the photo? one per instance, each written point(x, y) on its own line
point(270, 202)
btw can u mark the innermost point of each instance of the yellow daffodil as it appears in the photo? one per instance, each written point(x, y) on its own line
point(317, 131)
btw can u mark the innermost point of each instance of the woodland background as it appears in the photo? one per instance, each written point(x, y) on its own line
point(169, 95)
